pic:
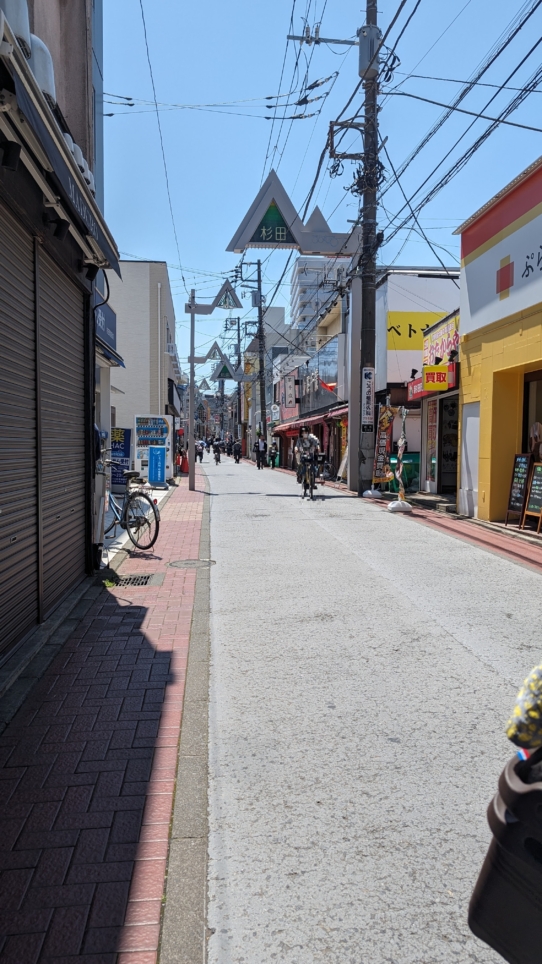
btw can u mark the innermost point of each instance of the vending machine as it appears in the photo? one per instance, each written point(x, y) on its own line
point(151, 430)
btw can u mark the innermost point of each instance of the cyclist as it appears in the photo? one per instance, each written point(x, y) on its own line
point(216, 450)
point(306, 445)
point(306, 448)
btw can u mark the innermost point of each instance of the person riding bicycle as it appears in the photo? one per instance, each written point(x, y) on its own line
point(237, 450)
point(306, 445)
point(216, 450)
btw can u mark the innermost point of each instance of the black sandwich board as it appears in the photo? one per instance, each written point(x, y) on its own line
point(533, 505)
point(519, 485)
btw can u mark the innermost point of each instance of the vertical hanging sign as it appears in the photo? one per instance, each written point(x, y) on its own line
point(367, 399)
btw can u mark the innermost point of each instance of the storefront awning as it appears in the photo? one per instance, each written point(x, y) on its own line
point(109, 353)
point(78, 205)
point(311, 420)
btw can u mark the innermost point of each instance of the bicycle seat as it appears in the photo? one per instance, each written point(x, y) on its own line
point(130, 475)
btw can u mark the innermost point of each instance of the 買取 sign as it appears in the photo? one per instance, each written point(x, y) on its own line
point(435, 378)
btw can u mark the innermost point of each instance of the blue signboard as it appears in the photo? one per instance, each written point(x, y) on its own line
point(120, 454)
point(157, 466)
point(106, 325)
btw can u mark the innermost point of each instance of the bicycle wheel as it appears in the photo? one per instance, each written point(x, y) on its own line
point(142, 521)
point(312, 486)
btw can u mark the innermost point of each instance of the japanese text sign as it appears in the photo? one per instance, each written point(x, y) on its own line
point(441, 340)
point(435, 378)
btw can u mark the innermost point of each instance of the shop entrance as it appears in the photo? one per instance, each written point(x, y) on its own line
point(532, 407)
point(448, 420)
point(441, 435)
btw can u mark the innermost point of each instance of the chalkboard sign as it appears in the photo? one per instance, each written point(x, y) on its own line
point(534, 499)
point(519, 485)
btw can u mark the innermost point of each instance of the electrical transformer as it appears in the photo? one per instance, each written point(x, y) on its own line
point(369, 38)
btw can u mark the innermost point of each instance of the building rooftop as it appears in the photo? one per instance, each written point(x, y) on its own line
point(498, 197)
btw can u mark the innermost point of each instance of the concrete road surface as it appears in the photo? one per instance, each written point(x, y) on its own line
point(363, 669)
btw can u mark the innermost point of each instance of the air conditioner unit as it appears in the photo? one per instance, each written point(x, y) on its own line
point(79, 159)
point(41, 65)
point(16, 12)
point(86, 172)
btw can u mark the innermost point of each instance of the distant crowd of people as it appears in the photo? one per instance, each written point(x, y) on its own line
point(233, 447)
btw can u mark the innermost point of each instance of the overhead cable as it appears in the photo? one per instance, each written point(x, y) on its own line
point(162, 143)
point(513, 29)
point(471, 113)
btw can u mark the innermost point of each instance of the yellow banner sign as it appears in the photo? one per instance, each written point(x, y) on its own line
point(435, 378)
point(406, 329)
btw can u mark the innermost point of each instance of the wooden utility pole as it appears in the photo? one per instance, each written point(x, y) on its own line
point(367, 269)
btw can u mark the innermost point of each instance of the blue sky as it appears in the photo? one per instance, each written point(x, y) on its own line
point(230, 56)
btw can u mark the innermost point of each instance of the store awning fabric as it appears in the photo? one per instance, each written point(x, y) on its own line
point(76, 201)
point(110, 354)
point(311, 420)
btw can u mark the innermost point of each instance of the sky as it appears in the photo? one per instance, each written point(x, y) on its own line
point(220, 61)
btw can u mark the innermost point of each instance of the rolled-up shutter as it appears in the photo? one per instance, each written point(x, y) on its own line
point(61, 314)
point(18, 437)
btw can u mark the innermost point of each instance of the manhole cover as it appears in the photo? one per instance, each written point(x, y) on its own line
point(192, 563)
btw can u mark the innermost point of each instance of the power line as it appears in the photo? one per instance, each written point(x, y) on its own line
point(161, 142)
point(437, 256)
point(405, 27)
point(453, 80)
point(279, 94)
point(461, 110)
point(533, 82)
point(515, 26)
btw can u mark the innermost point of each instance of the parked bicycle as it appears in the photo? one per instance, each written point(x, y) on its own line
point(137, 513)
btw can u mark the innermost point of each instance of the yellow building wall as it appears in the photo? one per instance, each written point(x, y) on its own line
point(494, 361)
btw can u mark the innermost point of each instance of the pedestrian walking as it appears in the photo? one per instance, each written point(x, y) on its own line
point(260, 448)
point(273, 454)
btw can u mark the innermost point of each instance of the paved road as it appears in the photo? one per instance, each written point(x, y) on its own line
point(363, 668)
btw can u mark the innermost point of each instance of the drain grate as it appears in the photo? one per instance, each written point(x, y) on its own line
point(192, 563)
point(134, 580)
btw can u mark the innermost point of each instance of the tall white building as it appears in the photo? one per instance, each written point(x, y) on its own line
point(149, 384)
point(313, 281)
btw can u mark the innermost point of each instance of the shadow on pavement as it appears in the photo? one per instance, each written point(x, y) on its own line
point(75, 765)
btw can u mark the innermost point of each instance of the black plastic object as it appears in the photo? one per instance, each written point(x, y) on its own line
point(505, 909)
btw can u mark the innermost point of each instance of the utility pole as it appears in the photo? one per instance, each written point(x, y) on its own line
point(221, 389)
point(239, 359)
point(368, 268)
point(361, 430)
point(261, 350)
point(191, 448)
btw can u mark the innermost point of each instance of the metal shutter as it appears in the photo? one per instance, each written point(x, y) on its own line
point(18, 435)
point(62, 327)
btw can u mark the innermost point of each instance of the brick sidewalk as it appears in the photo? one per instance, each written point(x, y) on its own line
point(88, 769)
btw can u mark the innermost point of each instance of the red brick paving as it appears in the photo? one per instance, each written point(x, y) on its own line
point(87, 770)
